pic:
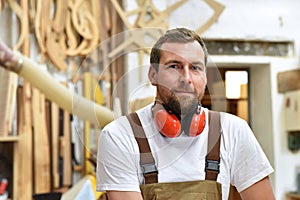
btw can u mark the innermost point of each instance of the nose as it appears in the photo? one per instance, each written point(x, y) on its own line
point(186, 76)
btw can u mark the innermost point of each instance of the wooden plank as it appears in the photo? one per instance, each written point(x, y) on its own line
point(8, 87)
point(55, 144)
point(9, 139)
point(120, 71)
point(3, 102)
point(22, 183)
point(23, 162)
point(67, 154)
point(65, 146)
point(288, 80)
point(12, 91)
point(87, 125)
point(41, 145)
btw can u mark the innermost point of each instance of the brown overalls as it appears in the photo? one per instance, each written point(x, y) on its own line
point(208, 189)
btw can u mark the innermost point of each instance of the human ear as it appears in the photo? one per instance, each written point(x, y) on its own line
point(152, 75)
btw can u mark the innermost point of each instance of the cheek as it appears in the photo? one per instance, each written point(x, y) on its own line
point(167, 81)
point(200, 85)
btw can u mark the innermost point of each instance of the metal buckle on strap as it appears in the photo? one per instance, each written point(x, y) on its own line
point(149, 168)
point(212, 165)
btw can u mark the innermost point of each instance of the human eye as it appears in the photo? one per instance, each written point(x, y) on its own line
point(174, 66)
point(197, 68)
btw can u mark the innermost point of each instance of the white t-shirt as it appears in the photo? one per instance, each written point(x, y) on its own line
point(179, 159)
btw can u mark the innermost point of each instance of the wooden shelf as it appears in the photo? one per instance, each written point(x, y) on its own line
point(9, 138)
point(292, 196)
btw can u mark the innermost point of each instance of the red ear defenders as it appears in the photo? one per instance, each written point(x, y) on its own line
point(170, 126)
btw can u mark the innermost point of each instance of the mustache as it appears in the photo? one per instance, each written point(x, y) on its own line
point(184, 89)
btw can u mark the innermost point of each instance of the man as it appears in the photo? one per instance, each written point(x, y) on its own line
point(176, 129)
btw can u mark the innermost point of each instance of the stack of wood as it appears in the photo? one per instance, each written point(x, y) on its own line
point(65, 32)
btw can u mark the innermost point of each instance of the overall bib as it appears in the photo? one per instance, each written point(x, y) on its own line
point(208, 189)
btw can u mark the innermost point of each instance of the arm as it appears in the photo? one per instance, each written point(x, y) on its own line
point(120, 195)
point(250, 167)
point(260, 190)
point(117, 163)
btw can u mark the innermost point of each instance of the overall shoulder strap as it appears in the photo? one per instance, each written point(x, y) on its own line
point(146, 159)
point(212, 161)
point(212, 165)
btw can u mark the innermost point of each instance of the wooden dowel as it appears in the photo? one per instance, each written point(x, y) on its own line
point(63, 97)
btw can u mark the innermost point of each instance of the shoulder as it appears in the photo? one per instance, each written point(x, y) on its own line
point(234, 126)
point(121, 127)
point(117, 138)
point(242, 152)
point(122, 121)
point(233, 120)
point(236, 136)
point(117, 126)
point(231, 123)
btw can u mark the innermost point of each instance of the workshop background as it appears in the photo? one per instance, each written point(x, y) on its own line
point(99, 49)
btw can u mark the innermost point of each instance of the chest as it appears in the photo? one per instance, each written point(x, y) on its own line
point(184, 161)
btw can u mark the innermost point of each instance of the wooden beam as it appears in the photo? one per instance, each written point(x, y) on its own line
point(288, 80)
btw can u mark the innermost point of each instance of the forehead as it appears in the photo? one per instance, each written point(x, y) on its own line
point(190, 51)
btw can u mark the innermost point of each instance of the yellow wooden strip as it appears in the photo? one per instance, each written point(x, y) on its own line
point(87, 126)
point(97, 93)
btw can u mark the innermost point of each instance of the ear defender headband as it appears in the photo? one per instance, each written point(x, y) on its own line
point(170, 126)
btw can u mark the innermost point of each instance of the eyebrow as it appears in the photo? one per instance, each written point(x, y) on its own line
point(171, 61)
point(178, 62)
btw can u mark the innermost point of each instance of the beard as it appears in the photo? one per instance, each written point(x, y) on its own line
point(180, 105)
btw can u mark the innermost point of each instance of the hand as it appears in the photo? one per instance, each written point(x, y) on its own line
point(8, 59)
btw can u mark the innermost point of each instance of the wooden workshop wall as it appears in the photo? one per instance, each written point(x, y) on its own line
point(78, 43)
point(65, 38)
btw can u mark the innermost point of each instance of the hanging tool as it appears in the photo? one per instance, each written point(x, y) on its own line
point(21, 16)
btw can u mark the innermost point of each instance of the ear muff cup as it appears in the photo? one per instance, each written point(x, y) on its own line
point(197, 124)
point(169, 125)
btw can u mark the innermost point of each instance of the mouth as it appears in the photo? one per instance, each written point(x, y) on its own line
point(183, 92)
